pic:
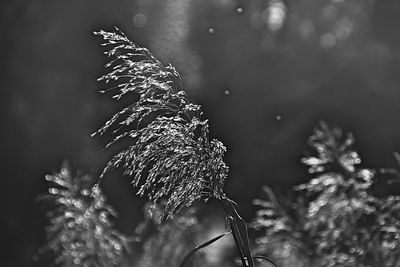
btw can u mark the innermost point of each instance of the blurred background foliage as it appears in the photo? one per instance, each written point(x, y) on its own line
point(338, 217)
point(265, 72)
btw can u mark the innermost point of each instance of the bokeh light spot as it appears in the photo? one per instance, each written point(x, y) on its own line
point(139, 20)
point(330, 12)
point(327, 40)
point(276, 15)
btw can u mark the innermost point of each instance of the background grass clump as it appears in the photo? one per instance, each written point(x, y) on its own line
point(81, 230)
point(335, 219)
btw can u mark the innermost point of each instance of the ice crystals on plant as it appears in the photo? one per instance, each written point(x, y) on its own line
point(171, 156)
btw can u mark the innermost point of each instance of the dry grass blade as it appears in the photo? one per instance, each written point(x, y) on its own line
point(205, 244)
point(239, 231)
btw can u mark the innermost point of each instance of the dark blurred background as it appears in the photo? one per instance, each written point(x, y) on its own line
point(265, 72)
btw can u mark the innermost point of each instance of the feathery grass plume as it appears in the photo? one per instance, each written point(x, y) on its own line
point(171, 156)
point(334, 150)
point(336, 217)
point(341, 211)
point(336, 220)
point(81, 232)
point(351, 226)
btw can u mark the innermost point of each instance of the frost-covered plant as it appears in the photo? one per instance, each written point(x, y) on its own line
point(81, 231)
point(170, 157)
point(336, 220)
point(340, 213)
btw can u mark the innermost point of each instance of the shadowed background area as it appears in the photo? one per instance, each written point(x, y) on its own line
point(265, 72)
